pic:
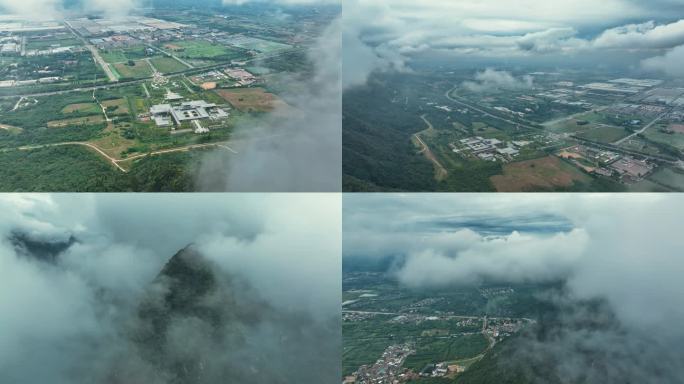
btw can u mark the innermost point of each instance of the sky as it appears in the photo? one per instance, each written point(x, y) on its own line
point(387, 34)
point(624, 250)
point(56, 315)
point(622, 247)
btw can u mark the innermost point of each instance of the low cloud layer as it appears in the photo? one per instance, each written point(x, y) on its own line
point(389, 35)
point(78, 319)
point(670, 63)
point(623, 251)
point(55, 9)
point(493, 80)
point(298, 147)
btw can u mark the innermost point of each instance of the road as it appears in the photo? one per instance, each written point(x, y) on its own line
point(139, 81)
point(91, 146)
point(116, 162)
point(642, 130)
point(488, 114)
point(96, 55)
point(172, 55)
point(622, 150)
point(440, 172)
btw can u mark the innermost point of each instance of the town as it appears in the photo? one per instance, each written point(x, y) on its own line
point(397, 336)
point(161, 82)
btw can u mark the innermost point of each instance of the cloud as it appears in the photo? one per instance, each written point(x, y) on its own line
point(49, 9)
point(670, 63)
point(645, 35)
point(297, 147)
point(513, 258)
point(76, 320)
point(405, 30)
point(619, 267)
point(491, 80)
point(56, 9)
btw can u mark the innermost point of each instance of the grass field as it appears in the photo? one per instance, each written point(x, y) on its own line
point(570, 125)
point(116, 106)
point(42, 44)
point(250, 99)
point(89, 108)
point(167, 64)
point(76, 121)
point(670, 178)
point(675, 140)
point(199, 49)
point(255, 44)
point(139, 70)
point(112, 142)
point(434, 350)
point(114, 56)
point(547, 173)
point(604, 134)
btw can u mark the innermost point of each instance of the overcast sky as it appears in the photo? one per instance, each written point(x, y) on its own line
point(626, 248)
point(385, 34)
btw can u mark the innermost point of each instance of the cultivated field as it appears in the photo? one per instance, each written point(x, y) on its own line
point(116, 106)
point(250, 99)
point(604, 134)
point(86, 108)
point(198, 49)
point(545, 173)
point(76, 121)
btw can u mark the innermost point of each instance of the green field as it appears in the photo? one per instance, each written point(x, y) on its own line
point(670, 178)
point(436, 350)
point(199, 49)
point(675, 140)
point(140, 70)
point(114, 56)
point(167, 64)
point(42, 44)
point(604, 134)
point(255, 44)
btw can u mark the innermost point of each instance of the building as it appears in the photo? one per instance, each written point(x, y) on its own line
point(167, 114)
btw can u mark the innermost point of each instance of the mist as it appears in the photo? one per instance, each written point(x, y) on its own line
point(298, 146)
point(84, 318)
point(620, 261)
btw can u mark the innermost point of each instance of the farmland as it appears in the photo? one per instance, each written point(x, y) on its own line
point(548, 173)
point(251, 99)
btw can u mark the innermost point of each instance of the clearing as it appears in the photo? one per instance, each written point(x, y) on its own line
point(547, 173)
point(251, 99)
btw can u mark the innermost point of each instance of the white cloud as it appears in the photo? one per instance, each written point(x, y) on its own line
point(513, 258)
point(491, 79)
point(647, 35)
point(671, 63)
point(501, 29)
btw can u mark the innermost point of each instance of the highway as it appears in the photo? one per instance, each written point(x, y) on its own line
point(96, 54)
point(488, 114)
point(140, 81)
point(642, 130)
